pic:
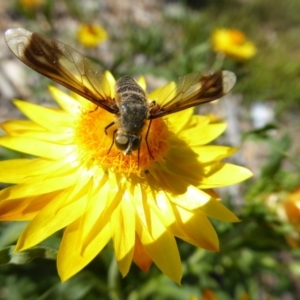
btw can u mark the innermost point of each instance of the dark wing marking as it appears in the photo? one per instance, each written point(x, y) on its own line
point(62, 64)
point(191, 90)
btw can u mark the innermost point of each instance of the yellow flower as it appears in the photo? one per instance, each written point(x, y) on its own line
point(91, 35)
point(289, 211)
point(208, 294)
point(287, 207)
point(31, 3)
point(97, 195)
point(292, 208)
point(233, 43)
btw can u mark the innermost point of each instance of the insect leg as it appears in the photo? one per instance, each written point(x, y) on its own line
point(91, 111)
point(109, 125)
point(146, 138)
point(139, 157)
point(113, 139)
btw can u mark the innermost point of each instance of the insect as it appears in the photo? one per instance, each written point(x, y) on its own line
point(130, 105)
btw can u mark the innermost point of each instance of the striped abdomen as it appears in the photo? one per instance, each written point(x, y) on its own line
point(132, 103)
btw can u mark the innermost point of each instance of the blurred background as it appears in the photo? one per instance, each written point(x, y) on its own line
point(259, 41)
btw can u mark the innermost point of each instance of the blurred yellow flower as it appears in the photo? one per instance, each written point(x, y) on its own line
point(210, 295)
point(232, 43)
point(292, 208)
point(96, 195)
point(31, 3)
point(91, 35)
point(287, 207)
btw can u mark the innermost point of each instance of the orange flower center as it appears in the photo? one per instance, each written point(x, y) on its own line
point(98, 147)
point(92, 30)
point(237, 37)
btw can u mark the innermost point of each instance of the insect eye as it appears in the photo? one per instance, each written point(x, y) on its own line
point(135, 142)
point(122, 142)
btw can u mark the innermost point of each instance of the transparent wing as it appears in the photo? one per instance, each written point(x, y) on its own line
point(62, 64)
point(191, 90)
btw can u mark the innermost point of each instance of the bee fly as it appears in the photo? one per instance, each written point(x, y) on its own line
point(133, 113)
point(68, 67)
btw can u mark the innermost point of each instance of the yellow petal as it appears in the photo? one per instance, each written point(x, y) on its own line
point(213, 153)
point(18, 126)
point(35, 187)
point(60, 212)
point(192, 199)
point(223, 174)
point(123, 229)
point(190, 173)
point(24, 209)
point(215, 209)
point(140, 201)
point(180, 120)
point(103, 200)
point(142, 82)
point(163, 208)
point(196, 229)
point(166, 182)
point(161, 247)
point(181, 154)
point(163, 94)
point(49, 118)
point(70, 259)
point(32, 130)
point(83, 102)
point(15, 170)
point(112, 82)
point(65, 101)
point(98, 213)
point(35, 147)
point(94, 209)
point(186, 119)
point(21, 170)
point(193, 227)
point(208, 133)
